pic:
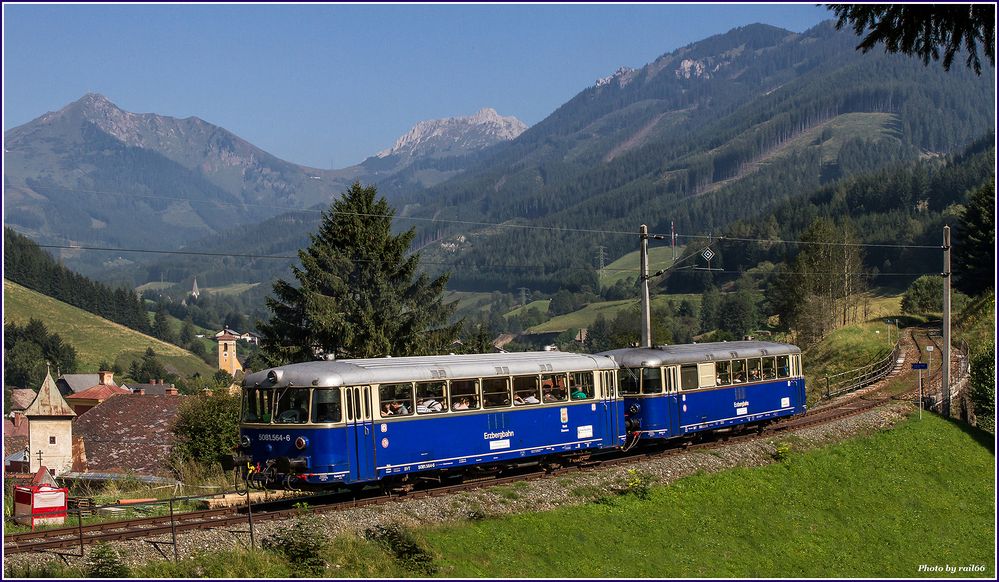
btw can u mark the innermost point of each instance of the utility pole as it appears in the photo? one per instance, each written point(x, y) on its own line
point(644, 277)
point(945, 362)
point(672, 239)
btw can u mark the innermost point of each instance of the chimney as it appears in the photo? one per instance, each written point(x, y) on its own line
point(152, 380)
point(171, 391)
point(139, 391)
point(161, 381)
point(106, 377)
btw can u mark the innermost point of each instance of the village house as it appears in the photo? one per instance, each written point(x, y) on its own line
point(73, 383)
point(155, 387)
point(128, 433)
point(84, 400)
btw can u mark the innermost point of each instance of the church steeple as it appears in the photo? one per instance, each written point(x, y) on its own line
point(194, 289)
point(50, 429)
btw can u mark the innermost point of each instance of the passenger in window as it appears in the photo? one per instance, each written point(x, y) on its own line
point(579, 394)
point(461, 404)
point(429, 405)
point(398, 408)
point(740, 377)
point(547, 395)
point(755, 375)
point(387, 409)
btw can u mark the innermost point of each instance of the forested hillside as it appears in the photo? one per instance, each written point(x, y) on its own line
point(28, 265)
point(782, 115)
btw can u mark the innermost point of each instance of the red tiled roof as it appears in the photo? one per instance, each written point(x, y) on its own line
point(130, 432)
point(13, 443)
point(99, 392)
point(20, 398)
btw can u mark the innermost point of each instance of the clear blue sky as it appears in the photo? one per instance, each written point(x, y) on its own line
point(324, 85)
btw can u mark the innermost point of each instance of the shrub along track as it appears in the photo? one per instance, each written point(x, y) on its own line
point(79, 536)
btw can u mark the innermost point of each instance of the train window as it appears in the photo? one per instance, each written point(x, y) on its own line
point(326, 405)
point(581, 385)
point(610, 380)
point(396, 399)
point(755, 373)
point(430, 397)
point(783, 367)
point(769, 370)
point(495, 392)
point(526, 390)
point(292, 406)
point(553, 388)
point(464, 394)
point(630, 380)
point(652, 380)
point(723, 373)
point(706, 374)
point(257, 405)
point(738, 371)
point(670, 380)
point(688, 377)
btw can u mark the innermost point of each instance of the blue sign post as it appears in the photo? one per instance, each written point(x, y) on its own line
point(920, 366)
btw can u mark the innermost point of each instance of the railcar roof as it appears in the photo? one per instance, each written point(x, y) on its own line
point(689, 353)
point(421, 368)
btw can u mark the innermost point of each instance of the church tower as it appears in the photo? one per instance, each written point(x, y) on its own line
point(227, 352)
point(194, 289)
point(50, 429)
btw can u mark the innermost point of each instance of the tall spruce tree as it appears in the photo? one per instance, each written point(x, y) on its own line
point(358, 294)
point(975, 242)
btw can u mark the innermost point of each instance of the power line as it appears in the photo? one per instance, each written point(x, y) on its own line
point(799, 242)
point(505, 224)
point(459, 265)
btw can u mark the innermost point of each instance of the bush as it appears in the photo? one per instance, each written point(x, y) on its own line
point(782, 452)
point(982, 387)
point(638, 484)
point(301, 544)
point(104, 561)
point(404, 546)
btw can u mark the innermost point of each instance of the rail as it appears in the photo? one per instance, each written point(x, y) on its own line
point(851, 380)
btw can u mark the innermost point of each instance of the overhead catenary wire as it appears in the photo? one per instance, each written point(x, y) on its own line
point(507, 224)
point(553, 268)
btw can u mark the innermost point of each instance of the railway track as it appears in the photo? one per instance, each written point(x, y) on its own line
point(149, 528)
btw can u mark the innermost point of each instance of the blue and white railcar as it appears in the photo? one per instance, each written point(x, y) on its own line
point(322, 424)
point(674, 390)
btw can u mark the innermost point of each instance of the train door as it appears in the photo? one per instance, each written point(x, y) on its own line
point(612, 410)
point(672, 410)
point(360, 433)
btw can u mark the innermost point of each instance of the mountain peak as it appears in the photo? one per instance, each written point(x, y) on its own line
point(457, 135)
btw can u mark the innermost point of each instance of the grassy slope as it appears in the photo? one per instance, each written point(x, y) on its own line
point(932, 483)
point(660, 257)
point(609, 309)
point(94, 338)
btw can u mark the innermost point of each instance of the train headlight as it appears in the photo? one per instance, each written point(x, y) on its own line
point(301, 443)
point(244, 441)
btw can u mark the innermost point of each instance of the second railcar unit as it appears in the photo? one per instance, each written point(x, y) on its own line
point(675, 390)
point(325, 424)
